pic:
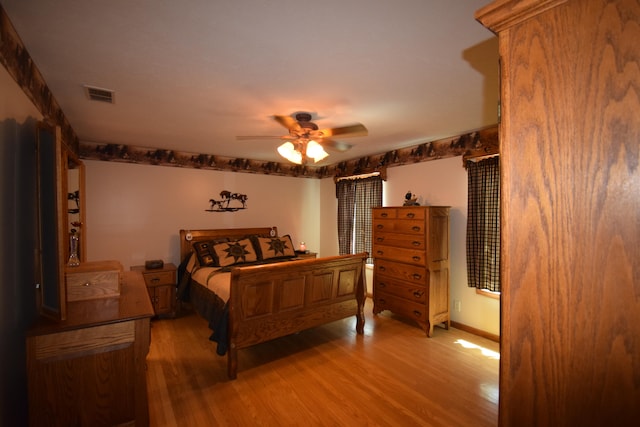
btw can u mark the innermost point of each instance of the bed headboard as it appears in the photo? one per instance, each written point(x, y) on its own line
point(188, 237)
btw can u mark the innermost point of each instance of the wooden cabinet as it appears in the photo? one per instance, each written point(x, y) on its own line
point(570, 211)
point(411, 263)
point(89, 370)
point(161, 285)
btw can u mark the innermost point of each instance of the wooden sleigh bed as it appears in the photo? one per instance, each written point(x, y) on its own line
point(268, 300)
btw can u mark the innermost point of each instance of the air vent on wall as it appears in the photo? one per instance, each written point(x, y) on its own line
point(99, 94)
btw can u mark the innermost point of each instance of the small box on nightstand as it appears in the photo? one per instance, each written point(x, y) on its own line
point(305, 255)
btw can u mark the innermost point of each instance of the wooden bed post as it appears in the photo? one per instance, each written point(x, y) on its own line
point(361, 296)
point(232, 362)
point(232, 350)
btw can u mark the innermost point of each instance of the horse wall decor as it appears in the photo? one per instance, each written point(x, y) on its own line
point(229, 202)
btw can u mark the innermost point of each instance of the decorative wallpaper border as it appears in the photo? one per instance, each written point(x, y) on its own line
point(18, 62)
point(477, 143)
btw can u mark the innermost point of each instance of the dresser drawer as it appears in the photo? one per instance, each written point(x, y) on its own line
point(412, 292)
point(99, 279)
point(159, 278)
point(410, 213)
point(383, 213)
point(399, 240)
point(414, 226)
point(410, 273)
point(412, 310)
point(412, 256)
point(407, 212)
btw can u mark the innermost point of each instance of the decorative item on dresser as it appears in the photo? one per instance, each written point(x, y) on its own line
point(161, 285)
point(411, 263)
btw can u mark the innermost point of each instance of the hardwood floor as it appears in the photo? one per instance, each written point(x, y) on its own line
point(327, 376)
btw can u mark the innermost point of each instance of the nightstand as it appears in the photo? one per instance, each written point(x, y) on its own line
point(161, 285)
point(306, 255)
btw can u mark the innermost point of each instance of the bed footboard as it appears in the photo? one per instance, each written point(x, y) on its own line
point(271, 301)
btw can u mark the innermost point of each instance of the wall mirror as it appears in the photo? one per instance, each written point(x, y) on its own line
point(51, 203)
point(61, 214)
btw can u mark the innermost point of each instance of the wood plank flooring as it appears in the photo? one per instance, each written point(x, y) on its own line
point(327, 376)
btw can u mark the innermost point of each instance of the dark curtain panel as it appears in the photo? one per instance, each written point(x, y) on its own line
point(483, 224)
point(356, 197)
point(345, 192)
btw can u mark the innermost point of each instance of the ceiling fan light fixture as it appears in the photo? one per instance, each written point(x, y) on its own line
point(289, 152)
point(315, 151)
point(301, 146)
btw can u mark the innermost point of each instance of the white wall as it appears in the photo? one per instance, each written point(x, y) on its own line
point(444, 182)
point(135, 212)
point(328, 218)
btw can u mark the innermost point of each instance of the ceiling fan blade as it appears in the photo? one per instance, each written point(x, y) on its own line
point(334, 145)
point(356, 129)
point(288, 122)
point(242, 137)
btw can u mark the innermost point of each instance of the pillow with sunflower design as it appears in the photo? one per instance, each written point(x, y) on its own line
point(276, 247)
point(235, 252)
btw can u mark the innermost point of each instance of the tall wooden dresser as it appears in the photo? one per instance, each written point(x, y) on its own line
point(411, 263)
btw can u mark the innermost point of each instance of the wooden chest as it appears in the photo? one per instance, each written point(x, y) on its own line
point(97, 279)
point(411, 263)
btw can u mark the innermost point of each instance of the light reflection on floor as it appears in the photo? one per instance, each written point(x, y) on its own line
point(485, 351)
point(489, 391)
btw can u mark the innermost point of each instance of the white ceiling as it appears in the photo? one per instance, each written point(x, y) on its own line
point(192, 75)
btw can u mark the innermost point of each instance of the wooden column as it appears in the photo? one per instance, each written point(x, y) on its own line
point(569, 147)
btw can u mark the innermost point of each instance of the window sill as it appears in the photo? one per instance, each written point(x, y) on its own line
point(487, 293)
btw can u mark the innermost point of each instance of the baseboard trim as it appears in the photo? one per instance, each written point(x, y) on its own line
point(474, 331)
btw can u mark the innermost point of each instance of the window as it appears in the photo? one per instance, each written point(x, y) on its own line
point(356, 196)
point(483, 224)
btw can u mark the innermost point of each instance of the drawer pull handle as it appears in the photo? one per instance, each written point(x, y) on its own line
point(383, 215)
point(415, 243)
point(411, 215)
point(380, 239)
point(379, 252)
point(381, 268)
point(416, 228)
point(382, 284)
point(417, 276)
point(416, 258)
point(379, 226)
point(155, 280)
point(381, 301)
point(418, 294)
point(417, 313)
point(86, 284)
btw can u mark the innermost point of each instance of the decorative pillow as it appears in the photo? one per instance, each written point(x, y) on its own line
point(276, 247)
point(205, 253)
point(237, 252)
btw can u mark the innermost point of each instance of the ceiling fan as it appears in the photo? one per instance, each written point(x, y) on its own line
point(306, 141)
